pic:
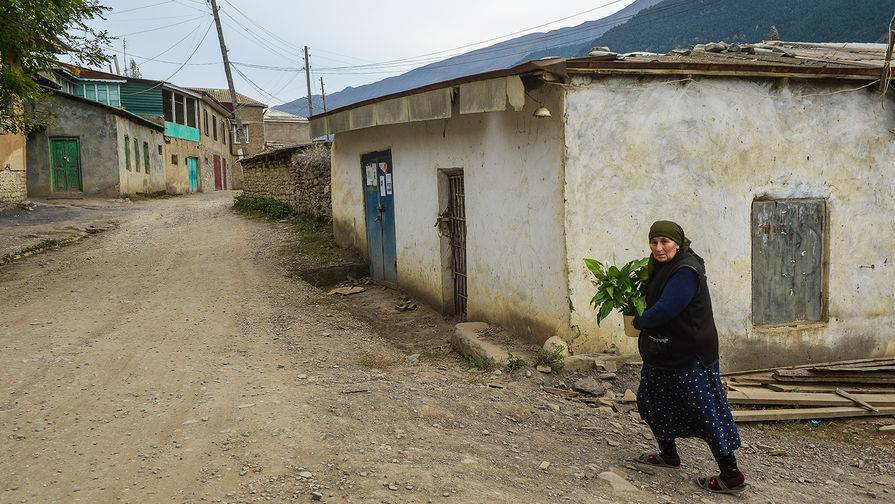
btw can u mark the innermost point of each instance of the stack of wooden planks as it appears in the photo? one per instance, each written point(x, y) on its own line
point(844, 389)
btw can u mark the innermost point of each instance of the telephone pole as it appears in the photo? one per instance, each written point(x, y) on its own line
point(323, 93)
point(233, 99)
point(308, 78)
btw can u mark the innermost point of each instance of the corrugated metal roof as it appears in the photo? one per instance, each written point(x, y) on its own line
point(223, 96)
point(771, 59)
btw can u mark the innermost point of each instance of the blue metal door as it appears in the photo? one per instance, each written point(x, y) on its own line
point(379, 199)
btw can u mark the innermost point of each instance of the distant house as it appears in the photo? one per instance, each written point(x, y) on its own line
point(282, 129)
point(251, 112)
point(94, 149)
point(483, 195)
point(197, 156)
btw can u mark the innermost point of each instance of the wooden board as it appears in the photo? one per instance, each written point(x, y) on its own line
point(870, 361)
point(806, 414)
point(819, 387)
point(763, 396)
point(806, 375)
point(855, 369)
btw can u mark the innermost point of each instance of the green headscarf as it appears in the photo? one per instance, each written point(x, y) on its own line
point(669, 230)
point(672, 231)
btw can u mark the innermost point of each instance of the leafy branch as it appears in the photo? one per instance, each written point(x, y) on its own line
point(621, 289)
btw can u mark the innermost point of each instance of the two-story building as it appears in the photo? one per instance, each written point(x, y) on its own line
point(90, 145)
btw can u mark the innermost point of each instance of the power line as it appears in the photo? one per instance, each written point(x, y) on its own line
point(140, 8)
point(162, 27)
point(512, 44)
point(166, 79)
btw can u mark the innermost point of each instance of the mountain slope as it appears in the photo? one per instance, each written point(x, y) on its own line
point(684, 23)
point(501, 55)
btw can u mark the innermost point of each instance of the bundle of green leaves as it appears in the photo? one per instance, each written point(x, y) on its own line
point(621, 289)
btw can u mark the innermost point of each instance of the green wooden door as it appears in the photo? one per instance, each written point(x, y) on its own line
point(65, 164)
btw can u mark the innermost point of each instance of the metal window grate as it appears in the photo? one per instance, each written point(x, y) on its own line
point(457, 223)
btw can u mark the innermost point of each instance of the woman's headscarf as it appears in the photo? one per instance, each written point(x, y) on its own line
point(670, 230)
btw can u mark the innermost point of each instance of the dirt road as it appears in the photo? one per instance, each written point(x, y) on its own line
point(174, 360)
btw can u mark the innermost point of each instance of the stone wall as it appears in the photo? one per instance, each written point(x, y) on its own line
point(12, 169)
point(298, 176)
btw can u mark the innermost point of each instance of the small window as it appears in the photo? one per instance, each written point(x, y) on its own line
point(788, 261)
point(159, 149)
point(191, 112)
point(146, 156)
point(179, 109)
point(245, 134)
point(114, 96)
point(90, 91)
point(127, 152)
point(173, 159)
point(214, 127)
point(223, 133)
point(205, 119)
point(167, 105)
point(136, 155)
point(102, 93)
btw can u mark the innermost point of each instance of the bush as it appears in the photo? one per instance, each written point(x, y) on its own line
point(553, 358)
point(259, 206)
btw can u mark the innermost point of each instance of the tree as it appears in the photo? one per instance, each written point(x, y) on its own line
point(35, 33)
point(773, 33)
point(133, 70)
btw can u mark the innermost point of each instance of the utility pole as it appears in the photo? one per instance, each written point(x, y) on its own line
point(233, 99)
point(124, 43)
point(323, 93)
point(308, 78)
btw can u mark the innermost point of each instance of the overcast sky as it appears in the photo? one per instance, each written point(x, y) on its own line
point(340, 33)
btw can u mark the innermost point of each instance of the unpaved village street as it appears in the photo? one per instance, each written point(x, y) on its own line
point(174, 359)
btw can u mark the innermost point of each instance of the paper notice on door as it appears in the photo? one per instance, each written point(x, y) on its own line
point(371, 175)
point(388, 183)
point(382, 185)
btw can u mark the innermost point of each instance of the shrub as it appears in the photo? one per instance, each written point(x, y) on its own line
point(260, 206)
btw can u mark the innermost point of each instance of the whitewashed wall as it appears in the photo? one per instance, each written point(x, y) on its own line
point(132, 181)
point(514, 204)
point(699, 154)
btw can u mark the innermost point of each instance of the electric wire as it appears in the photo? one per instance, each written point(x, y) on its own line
point(168, 78)
point(140, 8)
point(161, 27)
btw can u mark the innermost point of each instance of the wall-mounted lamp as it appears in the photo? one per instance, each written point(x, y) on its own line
point(542, 112)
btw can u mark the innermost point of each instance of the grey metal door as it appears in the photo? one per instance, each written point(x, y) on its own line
point(457, 226)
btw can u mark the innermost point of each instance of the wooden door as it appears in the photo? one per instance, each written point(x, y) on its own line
point(224, 172)
point(65, 164)
point(217, 173)
point(193, 166)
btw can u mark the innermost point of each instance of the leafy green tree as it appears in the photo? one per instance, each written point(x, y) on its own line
point(33, 34)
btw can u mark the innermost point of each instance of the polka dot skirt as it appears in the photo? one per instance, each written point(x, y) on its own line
point(683, 403)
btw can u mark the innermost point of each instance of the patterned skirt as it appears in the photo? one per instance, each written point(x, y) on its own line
point(684, 403)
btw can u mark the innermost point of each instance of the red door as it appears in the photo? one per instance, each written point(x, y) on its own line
point(217, 172)
point(224, 171)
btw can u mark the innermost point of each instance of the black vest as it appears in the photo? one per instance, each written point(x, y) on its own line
point(692, 334)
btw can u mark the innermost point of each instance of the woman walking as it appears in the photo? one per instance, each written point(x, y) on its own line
point(680, 393)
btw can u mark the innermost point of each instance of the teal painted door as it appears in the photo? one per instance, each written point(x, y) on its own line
point(65, 164)
point(193, 164)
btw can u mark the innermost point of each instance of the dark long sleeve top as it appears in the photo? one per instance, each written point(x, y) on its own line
point(677, 294)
